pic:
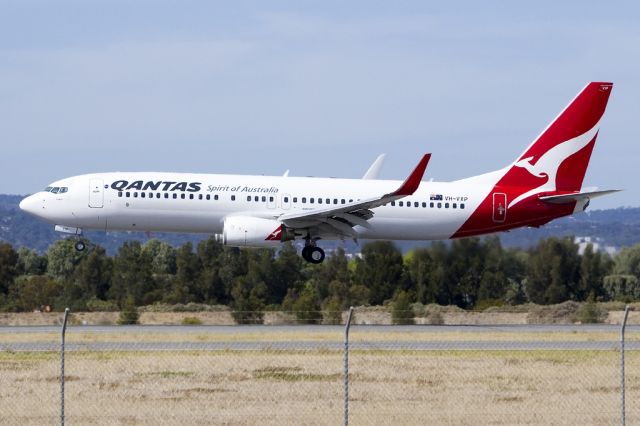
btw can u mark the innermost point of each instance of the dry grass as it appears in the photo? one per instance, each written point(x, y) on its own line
point(469, 387)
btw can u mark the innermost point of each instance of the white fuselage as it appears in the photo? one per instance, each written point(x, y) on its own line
point(199, 203)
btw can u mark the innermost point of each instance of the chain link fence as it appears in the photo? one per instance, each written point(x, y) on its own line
point(294, 374)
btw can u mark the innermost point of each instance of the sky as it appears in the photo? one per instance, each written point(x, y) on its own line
point(320, 88)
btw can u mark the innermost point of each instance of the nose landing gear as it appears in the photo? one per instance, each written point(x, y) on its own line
point(80, 245)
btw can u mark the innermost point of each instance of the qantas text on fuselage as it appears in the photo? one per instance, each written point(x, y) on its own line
point(542, 184)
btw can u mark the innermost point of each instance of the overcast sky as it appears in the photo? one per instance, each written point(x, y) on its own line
point(320, 88)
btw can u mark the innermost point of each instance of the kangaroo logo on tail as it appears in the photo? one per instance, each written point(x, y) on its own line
point(549, 163)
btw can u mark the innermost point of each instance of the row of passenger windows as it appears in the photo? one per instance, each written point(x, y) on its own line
point(56, 189)
point(174, 195)
point(271, 199)
point(431, 204)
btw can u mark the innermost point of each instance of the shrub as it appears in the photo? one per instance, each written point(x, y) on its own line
point(129, 313)
point(191, 321)
point(401, 312)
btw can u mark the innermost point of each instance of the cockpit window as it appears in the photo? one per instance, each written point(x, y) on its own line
point(56, 189)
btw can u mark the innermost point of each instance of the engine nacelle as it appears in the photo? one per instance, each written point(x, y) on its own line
point(247, 231)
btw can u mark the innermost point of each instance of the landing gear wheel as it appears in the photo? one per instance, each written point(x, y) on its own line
point(313, 255)
point(80, 245)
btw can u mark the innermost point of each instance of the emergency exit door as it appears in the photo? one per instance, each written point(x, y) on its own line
point(499, 207)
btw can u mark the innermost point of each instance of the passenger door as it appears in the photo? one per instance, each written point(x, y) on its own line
point(96, 194)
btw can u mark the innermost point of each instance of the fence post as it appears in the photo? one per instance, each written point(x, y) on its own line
point(64, 330)
point(622, 378)
point(346, 368)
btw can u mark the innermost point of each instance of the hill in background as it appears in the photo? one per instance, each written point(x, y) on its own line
point(609, 228)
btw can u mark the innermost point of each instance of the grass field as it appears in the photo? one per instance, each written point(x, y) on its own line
point(306, 386)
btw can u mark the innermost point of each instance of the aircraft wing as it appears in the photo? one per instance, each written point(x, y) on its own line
point(578, 196)
point(344, 217)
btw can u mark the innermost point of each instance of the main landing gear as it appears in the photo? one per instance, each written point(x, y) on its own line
point(313, 254)
point(80, 245)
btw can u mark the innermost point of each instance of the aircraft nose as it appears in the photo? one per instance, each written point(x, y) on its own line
point(31, 205)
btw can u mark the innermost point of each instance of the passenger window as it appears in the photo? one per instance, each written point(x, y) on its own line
point(416, 204)
point(120, 194)
point(199, 196)
point(270, 199)
point(328, 200)
point(158, 195)
point(393, 203)
point(286, 199)
point(335, 201)
point(342, 201)
point(128, 194)
point(304, 200)
point(191, 196)
point(401, 203)
point(295, 199)
point(175, 196)
point(351, 201)
point(319, 200)
point(248, 197)
point(408, 203)
point(166, 195)
point(462, 205)
point(311, 200)
point(431, 205)
point(233, 198)
point(454, 205)
point(135, 195)
point(143, 194)
point(424, 204)
point(215, 197)
point(183, 196)
point(264, 199)
point(439, 205)
point(208, 196)
point(446, 205)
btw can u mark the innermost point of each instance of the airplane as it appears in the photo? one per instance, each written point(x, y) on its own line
point(542, 184)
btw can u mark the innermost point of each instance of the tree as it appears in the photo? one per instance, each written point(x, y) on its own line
point(210, 253)
point(63, 258)
point(553, 271)
point(30, 262)
point(187, 285)
point(248, 296)
point(287, 273)
point(381, 271)
point(8, 264)
point(132, 276)
point(29, 292)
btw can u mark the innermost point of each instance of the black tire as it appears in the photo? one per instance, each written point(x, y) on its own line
point(80, 245)
point(315, 255)
point(306, 250)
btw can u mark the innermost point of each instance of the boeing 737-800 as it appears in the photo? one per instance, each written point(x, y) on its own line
point(542, 184)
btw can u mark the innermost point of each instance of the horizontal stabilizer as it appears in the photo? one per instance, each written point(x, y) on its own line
point(578, 196)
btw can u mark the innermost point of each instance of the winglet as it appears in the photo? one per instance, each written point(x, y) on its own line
point(411, 184)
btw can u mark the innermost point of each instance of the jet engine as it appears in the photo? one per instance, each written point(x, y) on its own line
point(247, 231)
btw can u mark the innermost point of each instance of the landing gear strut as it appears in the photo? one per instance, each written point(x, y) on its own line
point(313, 254)
point(80, 245)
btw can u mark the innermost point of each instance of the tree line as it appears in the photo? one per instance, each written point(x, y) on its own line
point(471, 273)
